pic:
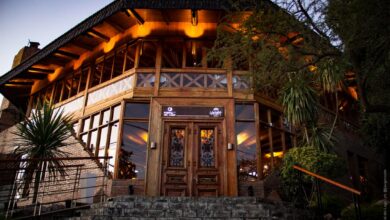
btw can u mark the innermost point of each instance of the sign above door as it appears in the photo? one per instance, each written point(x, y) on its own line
point(197, 111)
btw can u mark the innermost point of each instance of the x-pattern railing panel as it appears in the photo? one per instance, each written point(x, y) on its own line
point(145, 80)
point(193, 80)
point(240, 82)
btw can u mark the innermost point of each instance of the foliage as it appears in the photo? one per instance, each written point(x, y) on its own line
point(368, 211)
point(286, 60)
point(42, 136)
point(332, 204)
point(313, 159)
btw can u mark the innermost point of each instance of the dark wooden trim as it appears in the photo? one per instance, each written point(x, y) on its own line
point(63, 53)
point(97, 34)
point(40, 70)
point(132, 13)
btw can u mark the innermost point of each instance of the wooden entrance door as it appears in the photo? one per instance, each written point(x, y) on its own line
point(191, 164)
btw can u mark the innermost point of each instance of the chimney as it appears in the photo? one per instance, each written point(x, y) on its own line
point(25, 53)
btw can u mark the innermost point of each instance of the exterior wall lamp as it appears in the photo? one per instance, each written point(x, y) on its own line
point(153, 145)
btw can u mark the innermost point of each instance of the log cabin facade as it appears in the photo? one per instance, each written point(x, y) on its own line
point(136, 79)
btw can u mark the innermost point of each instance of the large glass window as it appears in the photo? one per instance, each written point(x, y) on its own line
point(100, 134)
point(132, 157)
point(130, 56)
point(147, 54)
point(246, 142)
point(172, 55)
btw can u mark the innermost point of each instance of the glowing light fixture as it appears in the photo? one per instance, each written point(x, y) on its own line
point(276, 154)
point(194, 17)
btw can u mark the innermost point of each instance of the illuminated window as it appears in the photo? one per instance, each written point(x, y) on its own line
point(246, 142)
point(132, 156)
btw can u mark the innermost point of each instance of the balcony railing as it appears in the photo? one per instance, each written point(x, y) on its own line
point(84, 183)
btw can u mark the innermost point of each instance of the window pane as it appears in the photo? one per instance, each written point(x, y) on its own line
point(130, 56)
point(112, 147)
point(96, 74)
point(48, 93)
point(92, 141)
point(57, 92)
point(108, 62)
point(194, 54)
point(277, 143)
point(84, 138)
point(246, 151)
point(177, 147)
point(95, 121)
point(275, 118)
point(83, 80)
point(137, 110)
point(207, 146)
point(133, 150)
point(245, 111)
point(172, 55)
point(106, 116)
point(102, 143)
point(119, 62)
point(67, 88)
point(116, 112)
point(75, 83)
point(265, 150)
point(76, 127)
point(86, 124)
point(148, 53)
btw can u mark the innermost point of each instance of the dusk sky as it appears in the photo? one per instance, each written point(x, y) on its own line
point(38, 20)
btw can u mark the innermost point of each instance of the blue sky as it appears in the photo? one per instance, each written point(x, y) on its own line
point(38, 20)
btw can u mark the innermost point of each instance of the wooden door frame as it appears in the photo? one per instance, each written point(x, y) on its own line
point(154, 156)
point(191, 155)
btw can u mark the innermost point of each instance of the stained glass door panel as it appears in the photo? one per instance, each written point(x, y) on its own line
point(207, 148)
point(176, 171)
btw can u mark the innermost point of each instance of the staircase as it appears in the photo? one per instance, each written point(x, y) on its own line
point(169, 208)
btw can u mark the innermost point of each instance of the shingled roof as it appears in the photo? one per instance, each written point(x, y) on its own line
point(104, 13)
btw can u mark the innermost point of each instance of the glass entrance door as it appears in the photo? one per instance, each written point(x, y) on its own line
point(191, 159)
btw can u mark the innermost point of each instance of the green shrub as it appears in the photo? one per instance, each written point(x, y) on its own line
point(313, 159)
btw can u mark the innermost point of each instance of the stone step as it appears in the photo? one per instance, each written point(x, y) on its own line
point(138, 207)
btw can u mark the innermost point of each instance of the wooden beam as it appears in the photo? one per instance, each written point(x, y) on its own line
point(114, 25)
point(82, 45)
point(131, 12)
point(66, 54)
point(32, 76)
point(96, 34)
point(40, 70)
point(20, 83)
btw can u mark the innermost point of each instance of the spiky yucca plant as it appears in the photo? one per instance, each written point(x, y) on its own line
point(41, 138)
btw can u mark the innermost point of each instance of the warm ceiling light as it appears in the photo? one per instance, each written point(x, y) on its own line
point(194, 17)
point(275, 154)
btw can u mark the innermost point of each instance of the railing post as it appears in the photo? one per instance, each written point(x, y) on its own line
point(12, 201)
point(319, 199)
point(72, 204)
point(44, 186)
point(357, 206)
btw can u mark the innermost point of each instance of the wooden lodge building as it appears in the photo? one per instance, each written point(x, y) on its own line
point(135, 77)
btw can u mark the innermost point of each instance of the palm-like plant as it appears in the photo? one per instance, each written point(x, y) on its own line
point(40, 139)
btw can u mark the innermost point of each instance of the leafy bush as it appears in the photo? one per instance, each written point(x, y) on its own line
point(313, 159)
